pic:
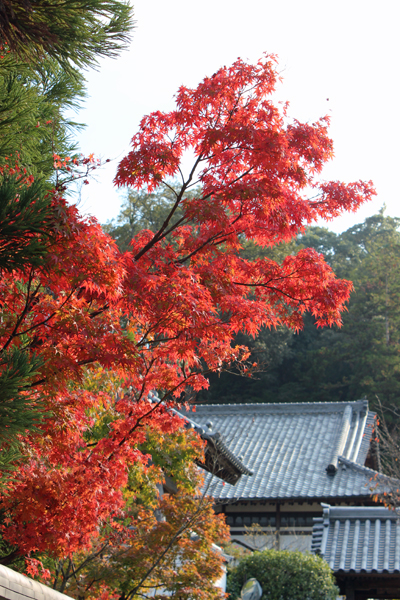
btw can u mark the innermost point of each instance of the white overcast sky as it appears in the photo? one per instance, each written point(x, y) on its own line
point(339, 58)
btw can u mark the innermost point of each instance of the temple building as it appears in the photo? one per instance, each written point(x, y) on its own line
point(271, 465)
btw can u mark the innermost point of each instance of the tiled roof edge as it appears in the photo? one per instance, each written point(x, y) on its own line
point(217, 439)
point(320, 533)
point(377, 554)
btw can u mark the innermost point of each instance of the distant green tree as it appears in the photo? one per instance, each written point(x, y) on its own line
point(284, 575)
point(141, 210)
point(268, 351)
point(362, 358)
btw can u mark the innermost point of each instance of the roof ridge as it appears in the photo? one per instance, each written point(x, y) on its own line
point(348, 512)
point(341, 440)
point(284, 406)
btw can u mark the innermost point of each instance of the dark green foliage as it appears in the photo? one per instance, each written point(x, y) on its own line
point(18, 405)
point(322, 240)
point(32, 128)
point(26, 229)
point(25, 225)
point(284, 576)
point(74, 32)
point(269, 350)
point(21, 409)
point(9, 555)
point(363, 357)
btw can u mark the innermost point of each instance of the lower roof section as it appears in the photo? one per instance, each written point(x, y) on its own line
point(358, 539)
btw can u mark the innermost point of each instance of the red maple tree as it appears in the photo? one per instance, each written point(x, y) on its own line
point(163, 314)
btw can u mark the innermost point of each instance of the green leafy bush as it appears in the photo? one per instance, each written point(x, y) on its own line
point(284, 575)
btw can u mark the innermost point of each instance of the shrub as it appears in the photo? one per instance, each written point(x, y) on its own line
point(284, 575)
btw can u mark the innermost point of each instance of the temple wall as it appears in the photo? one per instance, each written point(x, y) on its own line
point(283, 526)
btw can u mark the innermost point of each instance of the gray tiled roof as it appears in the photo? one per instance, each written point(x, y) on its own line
point(291, 447)
point(358, 539)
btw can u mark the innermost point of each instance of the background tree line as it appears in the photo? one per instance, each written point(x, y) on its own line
point(359, 359)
